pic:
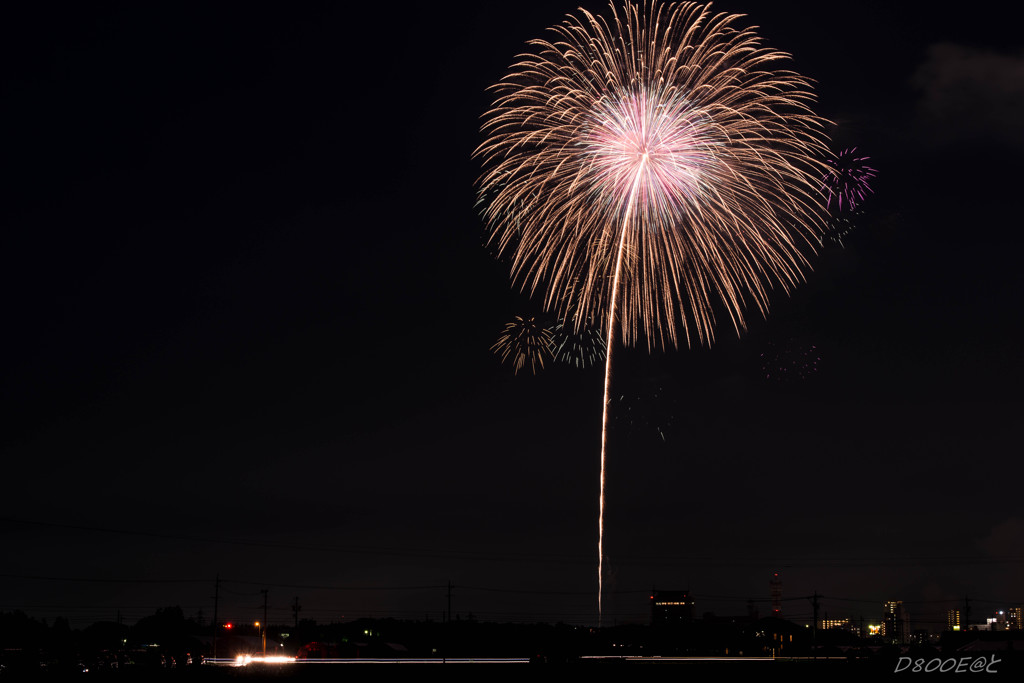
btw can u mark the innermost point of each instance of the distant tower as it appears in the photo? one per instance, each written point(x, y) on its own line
point(776, 588)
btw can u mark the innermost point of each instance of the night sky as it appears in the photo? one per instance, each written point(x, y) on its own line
point(248, 313)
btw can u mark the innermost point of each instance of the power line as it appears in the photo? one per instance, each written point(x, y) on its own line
point(348, 549)
point(835, 562)
point(72, 579)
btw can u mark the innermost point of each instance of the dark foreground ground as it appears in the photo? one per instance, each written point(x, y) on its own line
point(1001, 665)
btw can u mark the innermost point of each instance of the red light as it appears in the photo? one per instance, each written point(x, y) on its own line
point(227, 625)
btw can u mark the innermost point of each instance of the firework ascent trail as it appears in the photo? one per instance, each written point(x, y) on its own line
point(607, 386)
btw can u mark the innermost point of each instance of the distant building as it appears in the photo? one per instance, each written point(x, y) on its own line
point(671, 608)
point(1014, 619)
point(920, 637)
point(839, 625)
point(895, 623)
point(775, 636)
point(953, 620)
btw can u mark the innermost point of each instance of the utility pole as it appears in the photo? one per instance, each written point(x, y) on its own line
point(295, 611)
point(814, 629)
point(265, 592)
point(449, 600)
point(448, 626)
point(216, 599)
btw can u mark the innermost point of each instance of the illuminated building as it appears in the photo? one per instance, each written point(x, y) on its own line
point(895, 623)
point(839, 625)
point(953, 620)
point(671, 607)
point(1014, 619)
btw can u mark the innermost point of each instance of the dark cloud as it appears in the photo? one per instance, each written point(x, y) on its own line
point(1006, 537)
point(970, 95)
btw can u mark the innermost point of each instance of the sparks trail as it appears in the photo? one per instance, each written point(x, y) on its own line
point(644, 168)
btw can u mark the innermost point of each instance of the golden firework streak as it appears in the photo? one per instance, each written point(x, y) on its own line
point(607, 385)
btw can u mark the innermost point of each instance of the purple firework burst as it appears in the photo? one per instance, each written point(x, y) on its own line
point(848, 181)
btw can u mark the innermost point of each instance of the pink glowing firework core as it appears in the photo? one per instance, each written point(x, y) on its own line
point(639, 134)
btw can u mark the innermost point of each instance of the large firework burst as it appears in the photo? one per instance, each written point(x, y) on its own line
point(653, 162)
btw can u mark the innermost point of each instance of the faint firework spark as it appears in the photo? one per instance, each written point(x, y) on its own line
point(848, 180)
point(524, 340)
point(790, 361)
point(648, 411)
point(651, 164)
point(840, 226)
point(582, 346)
point(513, 215)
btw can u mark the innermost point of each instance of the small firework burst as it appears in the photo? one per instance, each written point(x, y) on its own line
point(791, 361)
point(583, 347)
point(848, 180)
point(524, 340)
